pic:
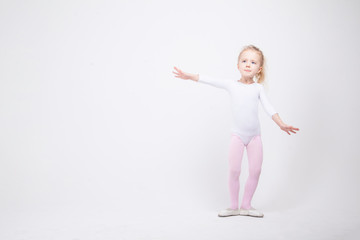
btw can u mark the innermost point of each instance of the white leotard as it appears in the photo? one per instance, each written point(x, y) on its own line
point(244, 100)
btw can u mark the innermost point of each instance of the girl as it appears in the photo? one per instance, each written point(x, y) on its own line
point(245, 95)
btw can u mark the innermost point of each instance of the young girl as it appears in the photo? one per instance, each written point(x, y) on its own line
point(245, 95)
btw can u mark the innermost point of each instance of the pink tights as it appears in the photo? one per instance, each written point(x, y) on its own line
point(255, 158)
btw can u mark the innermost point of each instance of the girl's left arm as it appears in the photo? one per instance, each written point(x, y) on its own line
point(283, 126)
point(274, 114)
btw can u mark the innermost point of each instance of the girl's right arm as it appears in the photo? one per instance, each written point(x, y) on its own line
point(220, 83)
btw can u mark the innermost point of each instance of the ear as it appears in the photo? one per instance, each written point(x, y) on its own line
point(259, 70)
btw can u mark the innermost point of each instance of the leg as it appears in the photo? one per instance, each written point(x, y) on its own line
point(235, 158)
point(255, 156)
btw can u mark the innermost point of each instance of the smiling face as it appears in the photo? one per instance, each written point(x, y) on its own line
point(249, 64)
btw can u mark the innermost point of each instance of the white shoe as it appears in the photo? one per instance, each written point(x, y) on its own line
point(229, 212)
point(250, 212)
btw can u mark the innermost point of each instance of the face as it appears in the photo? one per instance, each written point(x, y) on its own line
point(249, 63)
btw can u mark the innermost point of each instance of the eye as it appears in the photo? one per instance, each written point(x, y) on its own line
point(244, 61)
point(254, 62)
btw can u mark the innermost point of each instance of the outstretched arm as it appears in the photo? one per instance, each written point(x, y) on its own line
point(282, 125)
point(185, 75)
point(216, 82)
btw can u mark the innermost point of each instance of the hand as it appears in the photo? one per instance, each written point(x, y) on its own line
point(184, 75)
point(288, 128)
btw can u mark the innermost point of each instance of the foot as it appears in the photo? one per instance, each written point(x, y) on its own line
point(252, 212)
point(229, 212)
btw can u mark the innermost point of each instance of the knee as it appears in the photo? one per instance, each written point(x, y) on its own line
point(234, 174)
point(255, 172)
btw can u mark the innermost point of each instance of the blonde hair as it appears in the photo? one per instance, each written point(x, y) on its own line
point(261, 75)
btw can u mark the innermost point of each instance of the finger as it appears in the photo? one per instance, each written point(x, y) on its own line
point(177, 69)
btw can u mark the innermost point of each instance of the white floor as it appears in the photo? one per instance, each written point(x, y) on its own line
point(303, 222)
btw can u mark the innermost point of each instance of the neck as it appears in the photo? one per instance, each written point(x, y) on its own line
point(246, 80)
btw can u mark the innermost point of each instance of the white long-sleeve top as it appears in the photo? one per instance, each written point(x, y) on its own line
point(244, 100)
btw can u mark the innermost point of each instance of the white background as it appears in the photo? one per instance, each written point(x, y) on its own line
point(99, 140)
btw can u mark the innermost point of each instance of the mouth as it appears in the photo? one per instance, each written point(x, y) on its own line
point(247, 70)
